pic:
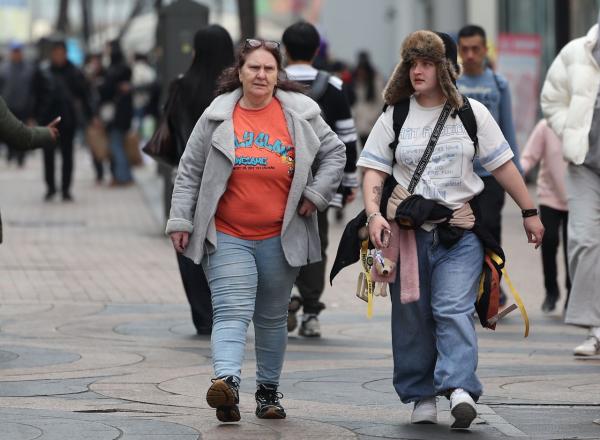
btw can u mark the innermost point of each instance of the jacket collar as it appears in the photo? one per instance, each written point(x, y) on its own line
point(297, 104)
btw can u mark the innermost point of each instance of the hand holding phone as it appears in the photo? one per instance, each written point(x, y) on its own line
point(386, 236)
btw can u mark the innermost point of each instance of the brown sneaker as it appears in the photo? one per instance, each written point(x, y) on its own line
point(223, 395)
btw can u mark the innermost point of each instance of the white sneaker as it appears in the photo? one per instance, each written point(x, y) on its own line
point(310, 327)
point(462, 408)
point(589, 347)
point(425, 411)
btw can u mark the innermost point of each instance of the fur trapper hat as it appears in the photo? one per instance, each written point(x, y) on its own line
point(437, 47)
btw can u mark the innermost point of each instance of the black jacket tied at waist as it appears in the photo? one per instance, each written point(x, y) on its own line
point(411, 213)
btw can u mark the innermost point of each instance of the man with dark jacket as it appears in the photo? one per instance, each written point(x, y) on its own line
point(69, 97)
point(480, 82)
point(301, 41)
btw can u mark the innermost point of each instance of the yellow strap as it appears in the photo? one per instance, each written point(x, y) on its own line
point(519, 302)
point(480, 293)
point(364, 250)
point(512, 289)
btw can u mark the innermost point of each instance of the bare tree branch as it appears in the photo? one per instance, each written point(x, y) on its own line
point(138, 6)
point(62, 22)
point(86, 29)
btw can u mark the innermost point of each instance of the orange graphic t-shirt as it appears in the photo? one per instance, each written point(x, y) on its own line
point(253, 204)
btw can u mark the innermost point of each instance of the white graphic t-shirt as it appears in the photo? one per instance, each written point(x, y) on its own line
point(448, 178)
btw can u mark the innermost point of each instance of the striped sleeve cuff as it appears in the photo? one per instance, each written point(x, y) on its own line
point(346, 130)
point(350, 180)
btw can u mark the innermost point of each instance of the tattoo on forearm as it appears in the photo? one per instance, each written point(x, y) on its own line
point(377, 194)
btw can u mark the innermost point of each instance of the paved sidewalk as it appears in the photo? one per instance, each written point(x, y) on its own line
point(96, 340)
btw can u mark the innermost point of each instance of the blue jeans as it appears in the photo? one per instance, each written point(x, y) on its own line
point(433, 339)
point(120, 163)
point(249, 279)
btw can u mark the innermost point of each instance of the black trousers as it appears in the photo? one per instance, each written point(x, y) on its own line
point(554, 222)
point(491, 202)
point(65, 146)
point(197, 292)
point(311, 279)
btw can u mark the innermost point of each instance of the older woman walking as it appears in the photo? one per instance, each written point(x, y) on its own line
point(257, 166)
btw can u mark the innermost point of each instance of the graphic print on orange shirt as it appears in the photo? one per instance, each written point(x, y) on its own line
point(253, 204)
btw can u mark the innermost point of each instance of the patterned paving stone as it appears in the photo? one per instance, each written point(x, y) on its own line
point(55, 425)
point(14, 356)
point(96, 340)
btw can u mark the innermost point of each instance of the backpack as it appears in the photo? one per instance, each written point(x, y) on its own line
point(487, 303)
point(319, 85)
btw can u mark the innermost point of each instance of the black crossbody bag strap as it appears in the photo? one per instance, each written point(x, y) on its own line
point(435, 135)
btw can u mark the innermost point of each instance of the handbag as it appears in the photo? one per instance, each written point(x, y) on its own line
point(97, 139)
point(132, 148)
point(161, 146)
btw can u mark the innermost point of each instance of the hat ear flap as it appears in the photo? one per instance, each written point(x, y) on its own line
point(447, 79)
point(399, 86)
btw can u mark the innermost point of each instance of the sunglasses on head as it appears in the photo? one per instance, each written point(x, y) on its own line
point(254, 43)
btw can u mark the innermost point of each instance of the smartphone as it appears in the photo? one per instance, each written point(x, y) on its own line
point(386, 235)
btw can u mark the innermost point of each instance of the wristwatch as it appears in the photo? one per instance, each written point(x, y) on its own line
point(529, 212)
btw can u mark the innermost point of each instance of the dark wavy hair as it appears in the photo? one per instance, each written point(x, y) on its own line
point(213, 52)
point(230, 81)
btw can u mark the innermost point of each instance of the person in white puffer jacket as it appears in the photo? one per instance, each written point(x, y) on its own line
point(571, 104)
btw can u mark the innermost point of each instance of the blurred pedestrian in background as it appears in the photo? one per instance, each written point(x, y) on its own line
point(480, 82)
point(146, 91)
point(96, 138)
point(301, 43)
point(571, 104)
point(116, 112)
point(544, 148)
point(368, 84)
point(69, 98)
point(258, 164)
point(190, 95)
point(16, 87)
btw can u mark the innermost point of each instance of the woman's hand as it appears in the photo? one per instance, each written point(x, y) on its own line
point(180, 240)
point(306, 208)
point(534, 229)
point(377, 225)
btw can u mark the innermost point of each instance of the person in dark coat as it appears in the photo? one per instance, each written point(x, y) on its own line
point(192, 93)
point(69, 98)
point(116, 111)
point(16, 80)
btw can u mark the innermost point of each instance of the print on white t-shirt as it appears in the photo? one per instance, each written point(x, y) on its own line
point(448, 178)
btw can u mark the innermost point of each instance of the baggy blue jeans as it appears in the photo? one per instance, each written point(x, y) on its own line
point(249, 280)
point(433, 339)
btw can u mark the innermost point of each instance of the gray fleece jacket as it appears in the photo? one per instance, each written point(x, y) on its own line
point(208, 161)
